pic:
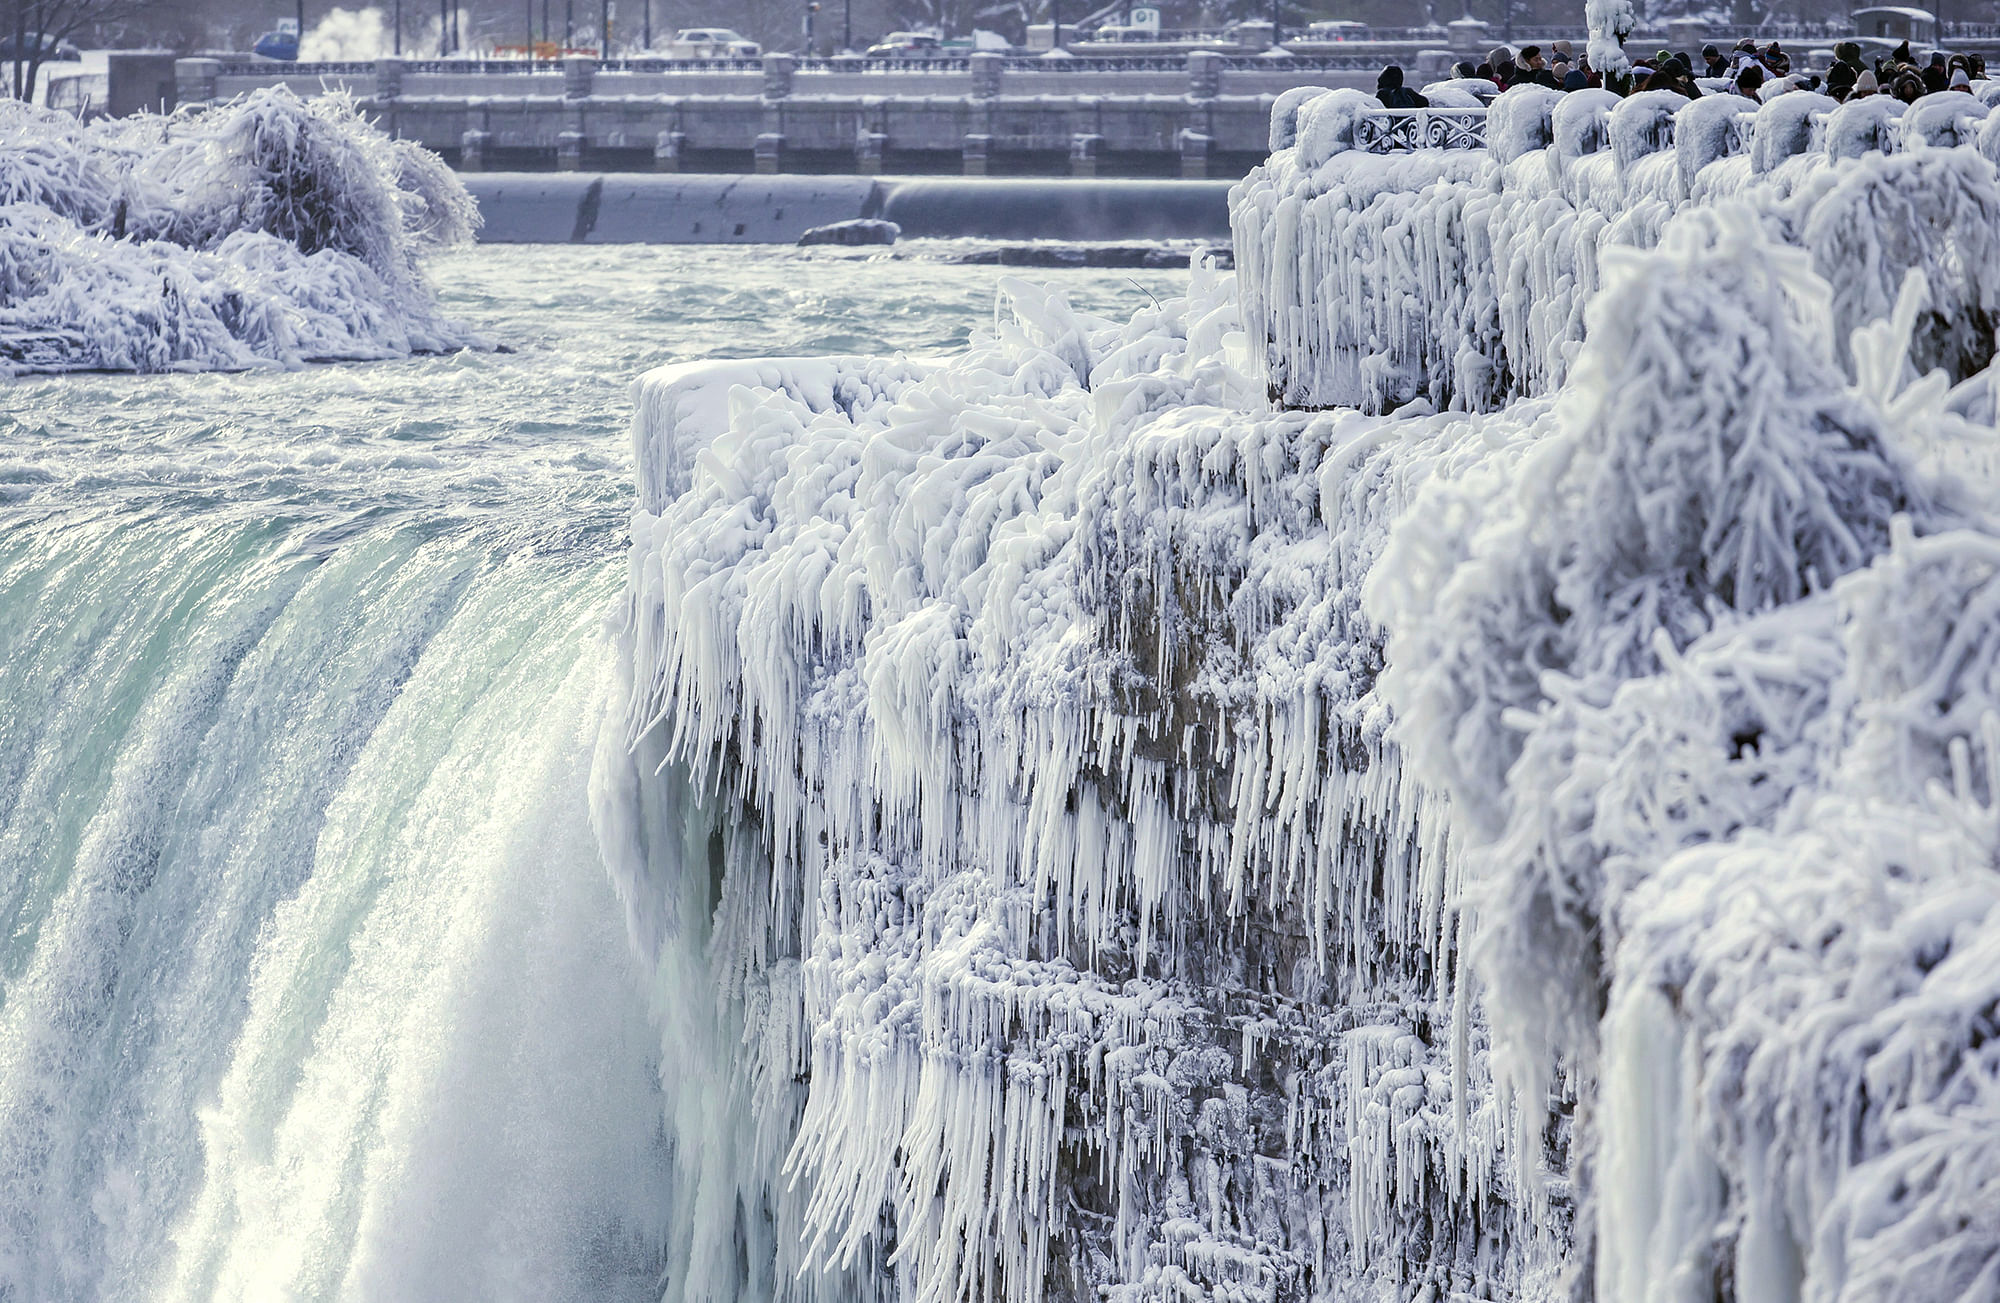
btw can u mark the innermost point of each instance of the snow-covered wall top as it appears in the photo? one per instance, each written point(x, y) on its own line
point(266, 231)
point(1151, 844)
point(1462, 276)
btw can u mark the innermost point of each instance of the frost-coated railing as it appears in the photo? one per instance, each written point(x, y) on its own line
point(1481, 301)
point(1394, 131)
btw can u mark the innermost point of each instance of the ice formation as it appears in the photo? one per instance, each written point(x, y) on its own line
point(1512, 818)
point(266, 231)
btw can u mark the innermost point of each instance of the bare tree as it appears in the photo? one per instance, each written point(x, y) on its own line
point(37, 26)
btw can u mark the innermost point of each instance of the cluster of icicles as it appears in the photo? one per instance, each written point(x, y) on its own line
point(1147, 841)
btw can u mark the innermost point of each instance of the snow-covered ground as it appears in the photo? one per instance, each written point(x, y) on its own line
point(265, 232)
point(1525, 832)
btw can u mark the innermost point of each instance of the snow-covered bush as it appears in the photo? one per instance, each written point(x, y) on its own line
point(265, 231)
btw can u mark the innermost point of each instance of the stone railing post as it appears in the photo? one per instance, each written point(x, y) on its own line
point(194, 80)
point(1468, 38)
point(976, 150)
point(569, 151)
point(667, 150)
point(474, 148)
point(1083, 150)
point(1204, 69)
point(388, 78)
point(987, 68)
point(770, 149)
point(778, 70)
point(579, 73)
point(868, 149)
point(1196, 147)
point(1686, 33)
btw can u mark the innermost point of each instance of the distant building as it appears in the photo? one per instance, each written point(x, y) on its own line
point(1895, 24)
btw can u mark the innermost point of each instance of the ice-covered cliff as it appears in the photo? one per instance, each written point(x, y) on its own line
point(1114, 835)
point(268, 231)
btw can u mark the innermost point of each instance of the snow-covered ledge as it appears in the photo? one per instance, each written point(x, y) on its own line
point(1153, 844)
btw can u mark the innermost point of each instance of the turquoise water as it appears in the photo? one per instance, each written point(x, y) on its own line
point(311, 984)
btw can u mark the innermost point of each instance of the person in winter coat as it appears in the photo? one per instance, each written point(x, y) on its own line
point(1390, 90)
point(1848, 54)
point(1840, 79)
point(1534, 69)
point(1750, 82)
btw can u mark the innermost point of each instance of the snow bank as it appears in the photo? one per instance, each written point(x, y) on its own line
point(1156, 845)
point(266, 231)
point(1462, 278)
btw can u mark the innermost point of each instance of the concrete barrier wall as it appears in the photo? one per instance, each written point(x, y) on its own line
point(628, 208)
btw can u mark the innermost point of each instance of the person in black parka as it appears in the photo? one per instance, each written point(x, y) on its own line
point(1390, 90)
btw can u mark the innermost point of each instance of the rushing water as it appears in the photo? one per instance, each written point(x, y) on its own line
point(311, 983)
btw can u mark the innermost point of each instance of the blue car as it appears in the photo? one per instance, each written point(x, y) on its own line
point(283, 46)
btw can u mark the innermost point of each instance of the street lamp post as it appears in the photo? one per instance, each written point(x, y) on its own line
point(846, 25)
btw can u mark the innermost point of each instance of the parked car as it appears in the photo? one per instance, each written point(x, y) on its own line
point(282, 46)
point(907, 45)
point(711, 43)
point(52, 49)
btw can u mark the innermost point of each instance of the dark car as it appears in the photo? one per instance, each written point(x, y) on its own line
point(52, 49)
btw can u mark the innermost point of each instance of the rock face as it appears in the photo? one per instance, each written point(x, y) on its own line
point(1110, 836)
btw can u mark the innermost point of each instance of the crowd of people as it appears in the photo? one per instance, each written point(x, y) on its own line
point(1757, 74)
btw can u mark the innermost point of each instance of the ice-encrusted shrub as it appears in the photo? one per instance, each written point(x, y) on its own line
point(135, 243)
point(1706, 467)
point(1822, 987)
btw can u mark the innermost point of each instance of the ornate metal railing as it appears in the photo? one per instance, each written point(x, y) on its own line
point(861, 63)
point(657, 63)
point(272, 68)
point(1397, 131)
point(1287, 62)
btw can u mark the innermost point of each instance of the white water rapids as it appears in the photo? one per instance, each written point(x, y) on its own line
point(312, 984)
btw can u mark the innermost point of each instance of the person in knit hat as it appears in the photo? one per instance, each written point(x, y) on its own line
point(1864, 86)
point(1959, 81)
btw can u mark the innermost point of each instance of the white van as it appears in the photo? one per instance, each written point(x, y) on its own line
point(711, 43)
